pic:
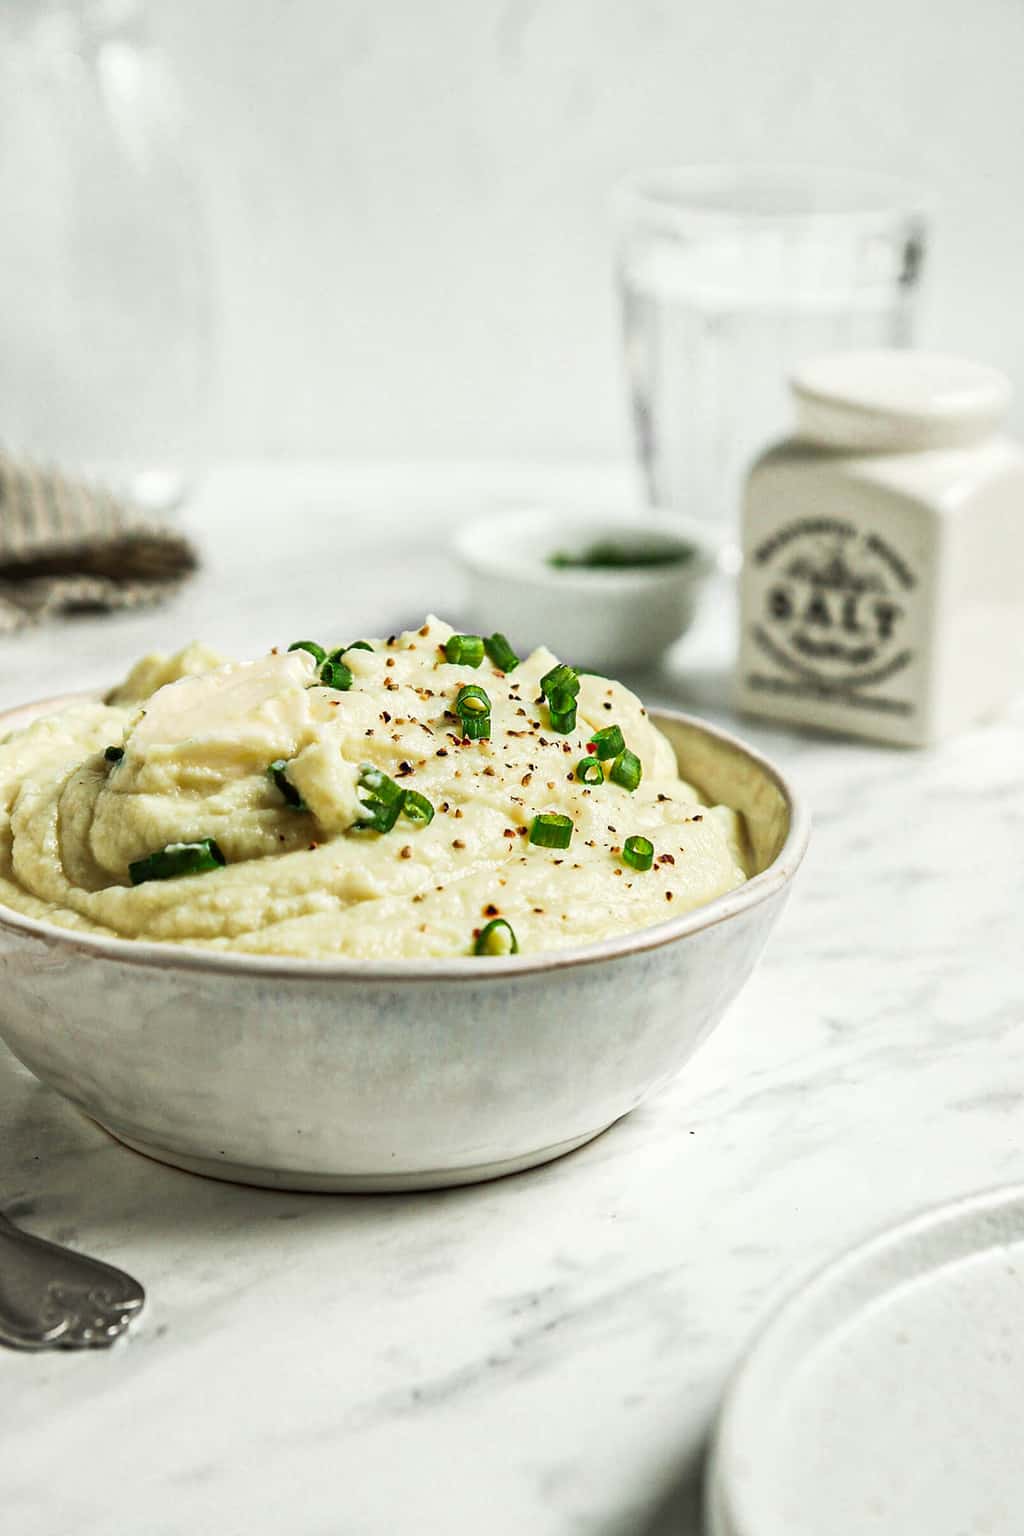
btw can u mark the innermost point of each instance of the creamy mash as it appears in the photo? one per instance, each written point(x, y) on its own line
point(286, 779)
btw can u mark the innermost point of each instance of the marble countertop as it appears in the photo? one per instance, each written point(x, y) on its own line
point(543, 1354)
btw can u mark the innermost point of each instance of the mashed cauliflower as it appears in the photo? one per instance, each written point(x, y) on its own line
point(183, 750)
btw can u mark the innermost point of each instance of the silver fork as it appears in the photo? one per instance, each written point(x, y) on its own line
point(52, 1297)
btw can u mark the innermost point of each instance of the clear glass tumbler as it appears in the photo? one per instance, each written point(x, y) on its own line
point(105, 335)
point(727, 278)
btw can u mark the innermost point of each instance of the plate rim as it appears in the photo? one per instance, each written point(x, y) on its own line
point(776, 1339)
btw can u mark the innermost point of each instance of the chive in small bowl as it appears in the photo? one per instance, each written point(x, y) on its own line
point(607, 590)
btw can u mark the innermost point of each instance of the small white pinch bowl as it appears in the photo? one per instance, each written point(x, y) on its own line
point(600, 618)
point(353, 1075)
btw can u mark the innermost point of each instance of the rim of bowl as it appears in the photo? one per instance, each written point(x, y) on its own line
point(144, 952)
point(479, 546)
point(713, 193)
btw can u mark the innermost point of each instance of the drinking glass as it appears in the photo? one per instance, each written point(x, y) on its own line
point(105, 334)
point(727, 278)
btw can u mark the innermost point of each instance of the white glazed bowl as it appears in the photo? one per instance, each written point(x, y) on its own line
point(354, 1075)
point(603, 619)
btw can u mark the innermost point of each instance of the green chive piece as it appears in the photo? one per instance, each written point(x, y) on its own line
point(381, 810)
point(335, 674)
point(560, 677)
point(316, 651)
point(562, 711)
point(464, 650)
point(476, 727)
point(473, 708)
point(606, 554)
point(114, 754)
point(417, 807)
point(339, 650)
point(379, 815)
point(638, 852)
point(609, 742)
point(589, 771)
point(381, 787)
point(177, 859)
point(471, 702)
point(627, 770)
point(551, 830)
point(277, 772)
point(497, 938)
point(501, 653)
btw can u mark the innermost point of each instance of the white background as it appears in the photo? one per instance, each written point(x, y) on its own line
point(409, 200)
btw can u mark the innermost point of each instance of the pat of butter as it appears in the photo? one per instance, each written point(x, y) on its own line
point(244, 714)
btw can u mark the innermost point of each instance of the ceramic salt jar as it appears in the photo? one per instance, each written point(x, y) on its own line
point(882, 588)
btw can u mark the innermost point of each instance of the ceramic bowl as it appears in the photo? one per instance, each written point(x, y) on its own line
point(355, 1075)
point(603, 618)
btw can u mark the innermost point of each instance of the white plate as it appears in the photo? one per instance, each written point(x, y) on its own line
point(887, 1397)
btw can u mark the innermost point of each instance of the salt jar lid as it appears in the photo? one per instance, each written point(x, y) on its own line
point(897, 401)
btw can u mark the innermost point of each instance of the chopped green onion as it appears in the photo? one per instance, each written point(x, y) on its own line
point(464, 650)
point(380, 815)
point(335, 674)
point(417, 807)
point(551, 830)
point(381, 787)
point(316, 651)
point(471, 702)
point(562, 711)
point(473, 708)
point(388, 801)
point(561, 700)
point(177, 859)
point(114, 754)
point(276, 771)
point(638, 852)
point(609, 742)
point(560, 677)
point(609, 555)
point(627, 770)
point(589, 771)
point(336, 656)
point(381, 810)
point(339, 650)
point(501, 653)
point(497, 938)
point(476, 727)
